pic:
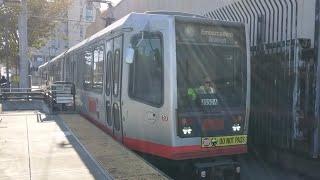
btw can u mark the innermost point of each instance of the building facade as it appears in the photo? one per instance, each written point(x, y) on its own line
point(68, 32)
point(297, 19)
point(125, 7)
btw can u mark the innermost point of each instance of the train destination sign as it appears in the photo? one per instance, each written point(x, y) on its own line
point(207, 142)
point(216, 33)
point(201, 33)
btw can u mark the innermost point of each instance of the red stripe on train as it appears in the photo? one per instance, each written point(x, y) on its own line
point(169, 152)
point(98, 124)
point(182, 152)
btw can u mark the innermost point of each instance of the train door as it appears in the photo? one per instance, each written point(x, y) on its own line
point(116, 87)
point(108, 70)
point(113, 86)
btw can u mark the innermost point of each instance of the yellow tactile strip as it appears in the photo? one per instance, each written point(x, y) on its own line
point(120, 162)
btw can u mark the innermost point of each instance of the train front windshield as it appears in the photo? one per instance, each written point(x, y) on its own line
point(211, 64)
point(211, 72)
point(211, 79)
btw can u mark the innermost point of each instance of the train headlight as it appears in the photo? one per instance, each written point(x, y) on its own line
point(187, 130)
point(203, 174)
point(238, 169)
point(236, 127)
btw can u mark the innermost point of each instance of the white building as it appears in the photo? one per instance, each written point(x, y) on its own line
point(68, 32)
point(273, 21)
point(189, 6)
point(125, 7)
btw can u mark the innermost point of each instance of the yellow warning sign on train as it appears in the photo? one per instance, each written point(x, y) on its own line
point(223, 141)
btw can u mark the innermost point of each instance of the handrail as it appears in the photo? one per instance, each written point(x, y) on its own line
point(63, 94)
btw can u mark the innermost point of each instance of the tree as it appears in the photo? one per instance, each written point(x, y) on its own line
point(43, 16)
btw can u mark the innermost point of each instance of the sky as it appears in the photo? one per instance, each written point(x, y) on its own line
point(105, 6)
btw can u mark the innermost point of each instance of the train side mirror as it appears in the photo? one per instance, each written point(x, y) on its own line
point(129, 55)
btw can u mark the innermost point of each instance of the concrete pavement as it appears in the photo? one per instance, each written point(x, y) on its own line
point(37, 150)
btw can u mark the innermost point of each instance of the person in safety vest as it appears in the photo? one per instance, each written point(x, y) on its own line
point(207, 88)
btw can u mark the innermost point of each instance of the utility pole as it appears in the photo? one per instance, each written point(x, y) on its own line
point(6, 48)
point(316, 133)
point(23, 46)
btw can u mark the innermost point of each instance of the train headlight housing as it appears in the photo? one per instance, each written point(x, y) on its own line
point(187, 130)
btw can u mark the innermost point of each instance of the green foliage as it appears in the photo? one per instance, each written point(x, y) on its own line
point(43, 16)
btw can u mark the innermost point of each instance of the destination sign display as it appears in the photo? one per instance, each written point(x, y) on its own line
point(202, 33)
point(216, 33)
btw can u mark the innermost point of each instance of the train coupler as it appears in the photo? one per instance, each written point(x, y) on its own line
point(222, 169)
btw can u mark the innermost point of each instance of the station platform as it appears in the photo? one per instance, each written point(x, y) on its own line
point(64, 147)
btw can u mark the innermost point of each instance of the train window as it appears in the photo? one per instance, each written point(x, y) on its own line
point(79, 62)
point(57, 70)
point(68, 68)
point(72, 69)
point(98, 68)
point(108, 73)
point(108, 114)
point(63, 67)
point(87, 70)
point(115, 69)
point(116, 115)
point(75, 71)
point(146, 72)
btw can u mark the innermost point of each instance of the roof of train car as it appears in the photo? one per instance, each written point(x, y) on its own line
point(57, 57)
point(113, 26)
point(121, 22)
point(43, 65)
point(109, 28)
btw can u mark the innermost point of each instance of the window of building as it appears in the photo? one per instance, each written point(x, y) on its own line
point(81, 32)
point(81, 14)
point(146, 72)
point(89, 12)
point(98, 58)
point(87, 70)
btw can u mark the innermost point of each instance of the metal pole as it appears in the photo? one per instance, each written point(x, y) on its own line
point(23, 45)
point(6, 47)
point(316, 134)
